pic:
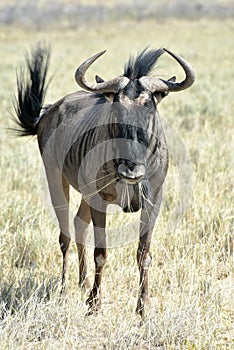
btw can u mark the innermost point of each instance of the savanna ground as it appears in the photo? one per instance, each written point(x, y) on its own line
point(191, 276)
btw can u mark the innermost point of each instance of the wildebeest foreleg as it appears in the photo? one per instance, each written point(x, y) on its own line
point(81, 221)
point(148, 218)
point(143, 260)
point(100, 254)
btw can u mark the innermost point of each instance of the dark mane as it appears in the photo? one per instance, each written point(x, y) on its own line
point(142, 64)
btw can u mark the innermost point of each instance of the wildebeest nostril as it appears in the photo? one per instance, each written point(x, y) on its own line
point(130, 165)
point(131, 171)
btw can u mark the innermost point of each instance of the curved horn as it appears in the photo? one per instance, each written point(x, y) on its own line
point(113, 85)
point(160, 85)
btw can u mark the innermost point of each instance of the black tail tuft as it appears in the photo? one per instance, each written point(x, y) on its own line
point(31, 90)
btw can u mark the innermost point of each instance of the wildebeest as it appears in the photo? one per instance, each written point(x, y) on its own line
point(106, 141)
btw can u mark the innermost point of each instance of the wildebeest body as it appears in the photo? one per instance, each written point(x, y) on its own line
point(108, 144)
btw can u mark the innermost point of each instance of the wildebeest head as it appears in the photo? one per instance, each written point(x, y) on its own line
point(134, 118)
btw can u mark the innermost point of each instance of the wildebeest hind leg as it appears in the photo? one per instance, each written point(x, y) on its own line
point(81, 222)
point(59, 192)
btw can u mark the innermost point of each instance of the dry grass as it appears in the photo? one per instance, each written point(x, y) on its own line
point(191, 278)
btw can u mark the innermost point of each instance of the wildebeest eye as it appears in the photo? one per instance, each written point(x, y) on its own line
point(148, 104)
point(159, 96)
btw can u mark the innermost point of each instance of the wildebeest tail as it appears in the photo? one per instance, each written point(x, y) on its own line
point(31, 90)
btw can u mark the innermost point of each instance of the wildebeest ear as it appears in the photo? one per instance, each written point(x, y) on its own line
point(160, 95)
point(172, 79)
point(99, 79)
point(108, 96)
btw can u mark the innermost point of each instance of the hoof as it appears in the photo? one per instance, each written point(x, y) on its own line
point(94, 302)
point(91, 312)
point(63, 290)
point(140, 308)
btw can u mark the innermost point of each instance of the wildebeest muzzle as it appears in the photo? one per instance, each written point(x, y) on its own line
point(130, 172)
